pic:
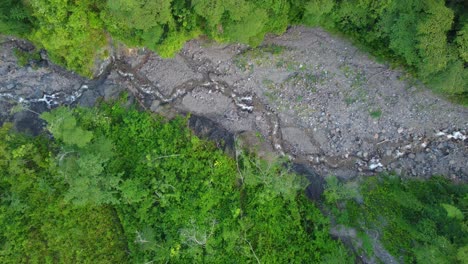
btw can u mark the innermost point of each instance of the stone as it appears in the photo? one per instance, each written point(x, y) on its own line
point(155, 105)
point(300, 139)
point(412, 156)
point(388, 152)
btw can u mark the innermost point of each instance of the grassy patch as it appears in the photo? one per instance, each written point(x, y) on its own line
point(27, 58)
point(258, 56)
point(376, 114)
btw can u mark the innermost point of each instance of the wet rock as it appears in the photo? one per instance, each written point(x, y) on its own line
point(112, 91)
point(208, 129)
point(316, 187)
point(28, 122)
point(88, 99)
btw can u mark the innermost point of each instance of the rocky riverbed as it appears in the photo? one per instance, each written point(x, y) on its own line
point(306, 94)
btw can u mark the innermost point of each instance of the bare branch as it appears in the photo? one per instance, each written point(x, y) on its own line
point(253, 252)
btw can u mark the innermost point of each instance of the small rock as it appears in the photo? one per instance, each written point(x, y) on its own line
point(388, 152)
point(376, 136)
point(412, 156)
point(374, 164)
point(451, 162)
point(399, 154)
point(155, 105)
point(365, 155)
point(359, 154)
point(400, 130)
point(10, 86)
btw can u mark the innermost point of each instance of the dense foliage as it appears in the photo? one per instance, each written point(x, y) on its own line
point(417, 221)
point(115, 185)
point(430, 37)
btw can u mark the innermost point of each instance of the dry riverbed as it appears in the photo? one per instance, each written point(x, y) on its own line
point(305, 94)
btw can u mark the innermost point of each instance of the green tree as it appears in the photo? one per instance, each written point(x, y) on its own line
point(71, 31)
point(138, 22)
point(462, 42)
point(431, 36)
point(14, 18)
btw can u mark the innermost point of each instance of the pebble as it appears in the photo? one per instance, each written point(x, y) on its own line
point(388, 152)
point(400, 130)
point(451, 162)
point(412, 156)
point(155, 105)
point(10, 86)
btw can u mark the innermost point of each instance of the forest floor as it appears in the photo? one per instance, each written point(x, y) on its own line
point(306, 94)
